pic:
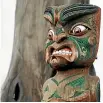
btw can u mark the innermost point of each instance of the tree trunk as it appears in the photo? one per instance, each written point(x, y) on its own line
point(28, 71)
point(79, 1)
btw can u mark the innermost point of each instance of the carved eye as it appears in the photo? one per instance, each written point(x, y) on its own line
point(50, 34)
point(79, 30)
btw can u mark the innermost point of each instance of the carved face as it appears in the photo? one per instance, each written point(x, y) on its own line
point(72, 41)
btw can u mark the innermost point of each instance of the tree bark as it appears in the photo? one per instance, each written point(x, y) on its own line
point(78, 1)
point(28, 71)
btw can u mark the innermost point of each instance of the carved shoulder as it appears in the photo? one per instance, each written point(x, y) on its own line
point(94, 83)
point(49, 89)
point(46, 84)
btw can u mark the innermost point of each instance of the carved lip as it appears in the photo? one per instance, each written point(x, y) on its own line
point(65, 50)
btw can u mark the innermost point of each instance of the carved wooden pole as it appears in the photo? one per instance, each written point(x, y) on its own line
point(71, 48)
point(27, 71)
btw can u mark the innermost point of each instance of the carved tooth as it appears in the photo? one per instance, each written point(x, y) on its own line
point(70, 52)
point(57, 52)
point(60, 51)
point(67, 52)
point(63, 51)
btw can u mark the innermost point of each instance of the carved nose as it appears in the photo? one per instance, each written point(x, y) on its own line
point(60, 38)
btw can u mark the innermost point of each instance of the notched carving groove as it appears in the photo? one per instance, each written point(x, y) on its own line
point(16, 94)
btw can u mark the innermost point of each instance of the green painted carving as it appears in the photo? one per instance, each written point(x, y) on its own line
point(59, 30)
point(46, 89)
point(50, 12)
point(71, 49)
point(56, 82)
point(78, 93)
point(78, 82)
point(55, 95)
point(67, 78)
point(75, 11)
point(49, 43)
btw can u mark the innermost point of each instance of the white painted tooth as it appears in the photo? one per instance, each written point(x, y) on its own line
point(63, 51)
point(70, 52)
point(60, 52)
point(66, 52)
point(57, 52)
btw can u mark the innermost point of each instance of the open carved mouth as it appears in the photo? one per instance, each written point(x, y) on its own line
point(65, 51)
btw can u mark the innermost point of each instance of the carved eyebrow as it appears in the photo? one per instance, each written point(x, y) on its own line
point(76, 10)
point(49, 15)
point(66, 13)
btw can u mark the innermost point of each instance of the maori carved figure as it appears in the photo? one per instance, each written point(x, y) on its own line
point(71, 48)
